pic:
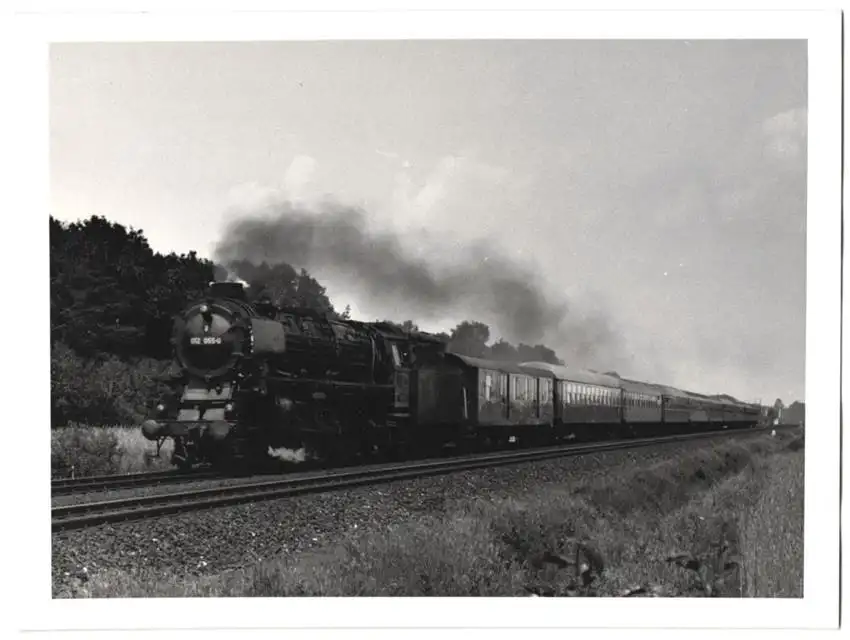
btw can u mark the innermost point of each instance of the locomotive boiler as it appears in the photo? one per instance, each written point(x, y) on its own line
point(255, 377)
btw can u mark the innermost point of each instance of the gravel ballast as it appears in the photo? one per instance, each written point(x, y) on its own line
point(217, 540)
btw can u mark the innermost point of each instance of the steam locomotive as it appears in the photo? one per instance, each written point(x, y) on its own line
point(255, 378)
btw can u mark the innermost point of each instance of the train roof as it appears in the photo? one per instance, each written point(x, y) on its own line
point(500, 365)
point(572, 374)
point(636, 386)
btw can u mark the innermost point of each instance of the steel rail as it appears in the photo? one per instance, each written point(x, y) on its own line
point(66, 486)
point(95, 513)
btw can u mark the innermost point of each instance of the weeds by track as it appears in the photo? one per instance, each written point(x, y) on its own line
point(95, 513)
point(66, 486)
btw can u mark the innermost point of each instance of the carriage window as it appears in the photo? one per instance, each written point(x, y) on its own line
point(488, 386)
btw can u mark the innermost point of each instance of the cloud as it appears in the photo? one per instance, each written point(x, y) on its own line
point(251, 196)
point(451, 192)
point(785, 134)
point(298, 176)
point(298, 185)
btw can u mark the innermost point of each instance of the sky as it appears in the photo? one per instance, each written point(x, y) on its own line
point(655, 191)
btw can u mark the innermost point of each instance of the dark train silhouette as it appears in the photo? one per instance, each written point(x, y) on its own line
point(255, 378)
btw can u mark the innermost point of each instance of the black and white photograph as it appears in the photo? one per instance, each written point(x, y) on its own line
point(395, 314)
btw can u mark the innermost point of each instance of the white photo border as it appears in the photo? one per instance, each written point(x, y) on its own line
point(26, 58)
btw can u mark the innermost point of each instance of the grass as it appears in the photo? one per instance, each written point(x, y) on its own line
point(725, 520)
point(80, 450)
point(772, 534)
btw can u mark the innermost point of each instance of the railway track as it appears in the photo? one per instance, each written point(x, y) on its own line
point(94, 513)
point(66, 486)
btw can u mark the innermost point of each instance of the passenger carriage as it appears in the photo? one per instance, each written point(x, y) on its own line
point(586, 402)
point(492, 399)
point(677, 406)
point(642, 403)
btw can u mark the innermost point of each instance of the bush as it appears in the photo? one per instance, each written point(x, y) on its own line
point(83, 451)
point(79, 450)
point(102, 392)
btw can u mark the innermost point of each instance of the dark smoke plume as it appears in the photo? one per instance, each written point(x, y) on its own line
point(480, 284)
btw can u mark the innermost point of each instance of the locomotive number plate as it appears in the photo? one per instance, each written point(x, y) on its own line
point(205, 340)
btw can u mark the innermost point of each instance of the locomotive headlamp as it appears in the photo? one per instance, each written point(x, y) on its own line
point(228, 407)
point(205, 309)
point(160, 408)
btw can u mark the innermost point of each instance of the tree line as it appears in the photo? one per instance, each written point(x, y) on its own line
point(112, 303)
